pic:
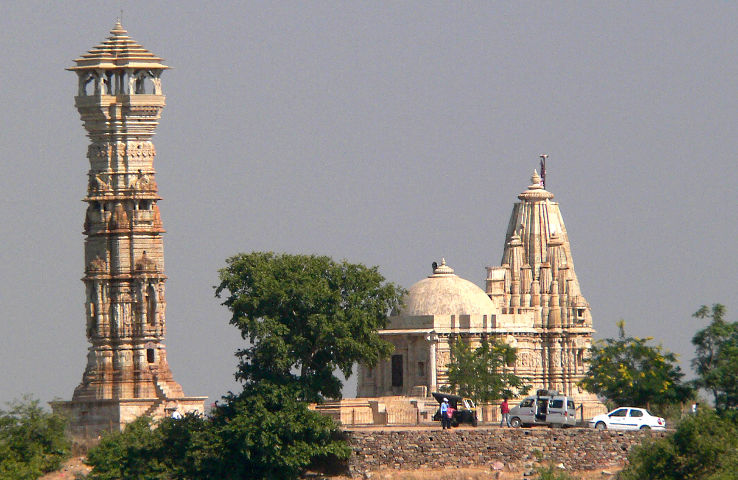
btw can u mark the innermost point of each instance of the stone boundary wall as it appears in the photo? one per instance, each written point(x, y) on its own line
point(577, 448)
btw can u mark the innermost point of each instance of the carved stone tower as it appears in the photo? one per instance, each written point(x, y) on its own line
point(120, 101)
point(537, 274)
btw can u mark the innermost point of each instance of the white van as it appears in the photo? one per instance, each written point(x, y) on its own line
point(547, 407)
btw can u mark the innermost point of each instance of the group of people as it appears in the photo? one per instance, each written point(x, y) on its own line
point(447, 413)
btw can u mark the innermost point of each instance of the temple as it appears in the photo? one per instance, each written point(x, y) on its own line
point(532, 301)
point(120, 101)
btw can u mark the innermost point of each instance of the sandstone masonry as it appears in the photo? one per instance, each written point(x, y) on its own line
point(517, 449)
point(120, 100)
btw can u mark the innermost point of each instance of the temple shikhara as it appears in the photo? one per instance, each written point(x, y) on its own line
point(120, 101)
point(532, 302)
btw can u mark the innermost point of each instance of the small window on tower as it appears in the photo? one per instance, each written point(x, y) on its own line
point(580, 314)
point(150, 355)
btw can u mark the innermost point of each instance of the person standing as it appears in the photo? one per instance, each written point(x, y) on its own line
point(450, 416)
point(444, 414)
point(505, 410)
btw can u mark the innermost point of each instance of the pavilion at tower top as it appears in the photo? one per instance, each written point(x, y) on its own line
point(119, 66)
point(118, 51)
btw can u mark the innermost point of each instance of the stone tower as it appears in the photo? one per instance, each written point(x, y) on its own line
point(537, 274)
point(120, 101)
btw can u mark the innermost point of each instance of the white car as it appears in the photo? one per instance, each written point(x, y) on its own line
point(628, 418)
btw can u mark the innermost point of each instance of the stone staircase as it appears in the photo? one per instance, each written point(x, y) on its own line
point(163, 393)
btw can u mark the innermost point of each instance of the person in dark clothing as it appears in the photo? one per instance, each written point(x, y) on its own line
point(445, 421)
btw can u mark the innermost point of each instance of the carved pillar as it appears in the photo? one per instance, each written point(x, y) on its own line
point(432, 366)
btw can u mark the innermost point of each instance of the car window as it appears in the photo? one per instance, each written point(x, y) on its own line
point(569, 404)
point(558, 403)
point(528, 402)
point(621, 412)
point(636, 413)
point(650, 414)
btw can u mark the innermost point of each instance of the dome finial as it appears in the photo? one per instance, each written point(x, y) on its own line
point(118, 27)
point(535, 180)
point(443, 269)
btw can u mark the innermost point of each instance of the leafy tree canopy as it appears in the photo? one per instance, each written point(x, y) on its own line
point(716, 360)
point(32, 440)
point(628, 371)
point(483, 374)
point(263, 433)
point(267, 432)
point(306, 316)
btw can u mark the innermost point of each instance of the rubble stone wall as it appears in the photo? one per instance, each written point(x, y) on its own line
point(517, 449)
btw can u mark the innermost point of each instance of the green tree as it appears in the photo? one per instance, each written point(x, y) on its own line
point(484, 374)
point(32, 440)
point(628, 371)
point(267, 432)
point(703, 447)
point(716, 360)
point(263, 433)
point(306, 316)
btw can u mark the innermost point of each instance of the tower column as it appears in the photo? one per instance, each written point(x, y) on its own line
point(124, 249)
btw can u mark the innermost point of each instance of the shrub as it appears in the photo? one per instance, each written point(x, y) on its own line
point(32, 440)
point(704, 446)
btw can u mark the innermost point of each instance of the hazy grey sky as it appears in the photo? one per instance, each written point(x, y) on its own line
point(387, 133)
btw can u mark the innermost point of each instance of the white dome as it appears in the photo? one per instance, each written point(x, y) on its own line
point(445, 293)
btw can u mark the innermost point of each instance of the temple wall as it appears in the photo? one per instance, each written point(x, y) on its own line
point(517, 449)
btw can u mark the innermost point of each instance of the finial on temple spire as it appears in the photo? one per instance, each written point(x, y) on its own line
point(543, 158)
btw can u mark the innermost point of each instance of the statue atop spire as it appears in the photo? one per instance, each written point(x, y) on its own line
point(543, 158)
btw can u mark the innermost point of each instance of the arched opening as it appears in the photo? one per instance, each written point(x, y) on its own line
point(397, 371)
point(150, 355)
point(107, 83)
point(151, 305)
point(87, 84)
point(143, 84)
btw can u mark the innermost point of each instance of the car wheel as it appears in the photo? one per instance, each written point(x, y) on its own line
point(515, 422)
point(601, 426)
point(645, 427)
